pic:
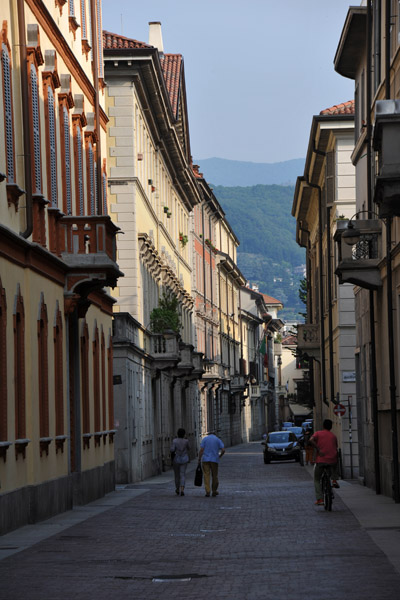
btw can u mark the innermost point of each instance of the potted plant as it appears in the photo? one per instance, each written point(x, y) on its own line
point(183, 239)
point(166, 316)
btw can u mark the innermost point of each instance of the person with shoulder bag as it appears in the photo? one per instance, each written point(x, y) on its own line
point(180, 459)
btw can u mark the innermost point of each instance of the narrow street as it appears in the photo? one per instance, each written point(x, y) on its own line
point(261, 538)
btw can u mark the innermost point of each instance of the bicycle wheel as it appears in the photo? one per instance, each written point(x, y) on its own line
point(327, 491)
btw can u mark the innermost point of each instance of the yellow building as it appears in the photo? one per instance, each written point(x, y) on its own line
point(57, 254)
point(152, 195)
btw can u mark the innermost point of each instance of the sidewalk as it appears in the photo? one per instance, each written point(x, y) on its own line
point(262, 538)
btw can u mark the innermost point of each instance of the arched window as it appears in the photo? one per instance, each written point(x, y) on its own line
point(103, 382)
point(110, 384)
point(3, 365)
point(96, 380)
point(85, 380)
point(58, 374)
point(43, 370)
point(19, 366)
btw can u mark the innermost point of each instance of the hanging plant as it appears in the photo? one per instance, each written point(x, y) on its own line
point(183, 239)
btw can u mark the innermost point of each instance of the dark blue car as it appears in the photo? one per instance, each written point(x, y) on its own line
point(282, 445)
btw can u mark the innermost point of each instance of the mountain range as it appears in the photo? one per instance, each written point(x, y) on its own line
point(268, 254)
point(221, 171)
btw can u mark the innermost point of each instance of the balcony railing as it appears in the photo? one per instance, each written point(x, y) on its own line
point(308, 339)
point(358, 262)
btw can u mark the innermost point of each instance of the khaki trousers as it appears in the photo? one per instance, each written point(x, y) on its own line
point(210, 469)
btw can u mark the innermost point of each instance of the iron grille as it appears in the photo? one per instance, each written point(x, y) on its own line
point(8, 113)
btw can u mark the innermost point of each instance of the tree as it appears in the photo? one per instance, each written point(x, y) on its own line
point(166, 316)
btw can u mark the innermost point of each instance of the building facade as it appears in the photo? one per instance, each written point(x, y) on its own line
point(153, 192)
point(57, 262)
point(324, 200)
point(369, 53)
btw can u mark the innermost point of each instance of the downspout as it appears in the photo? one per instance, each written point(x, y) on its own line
point(374, 385)
point(204, 279)
point(321, 291)
point(26, 120)
point(211, 292)
point(389, 290)
point(95, 39)
point(330, 319)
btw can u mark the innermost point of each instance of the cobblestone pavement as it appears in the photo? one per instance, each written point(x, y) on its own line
point(261, 538)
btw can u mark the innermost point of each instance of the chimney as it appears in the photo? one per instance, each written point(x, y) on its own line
point(155, 36)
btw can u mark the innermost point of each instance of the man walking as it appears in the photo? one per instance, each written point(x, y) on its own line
point(211, 450)
point(326, 445)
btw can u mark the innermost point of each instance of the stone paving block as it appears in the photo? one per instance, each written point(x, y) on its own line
point(261, 538)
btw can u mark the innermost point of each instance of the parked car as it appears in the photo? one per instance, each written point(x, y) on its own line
point(287, 424)
point(298, 432)
point(282, 445)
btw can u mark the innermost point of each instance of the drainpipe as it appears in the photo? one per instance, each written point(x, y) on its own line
point(374, 384)
point(26, 120)
point(321, 291)
point(204, 278)
point(95, 37)
point(330, 319)
point(211, 293)
point(389, 286)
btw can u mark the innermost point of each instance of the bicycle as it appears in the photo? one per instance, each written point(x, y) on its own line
point(326, 486)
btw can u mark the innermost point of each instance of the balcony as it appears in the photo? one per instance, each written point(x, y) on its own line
point(163, 349)
point(87, 245)
point(359, 253)
point(308, 339)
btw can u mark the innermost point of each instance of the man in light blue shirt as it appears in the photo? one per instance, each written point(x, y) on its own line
point(211, 450)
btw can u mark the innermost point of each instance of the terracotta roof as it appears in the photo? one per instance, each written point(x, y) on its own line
point(112, 40)
point(289, 340)
point(171, 65)
point(345, 108)
point(270, 299)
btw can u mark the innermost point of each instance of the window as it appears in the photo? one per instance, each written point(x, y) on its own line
point(78, 154)
point(103, 382)
point(58, 373)
point(85, 380)
point(110, 384)
point(43, 371)
point(19, 366)
point(51, 147)
point(3, 365)
point(104, 178)
point(36, 171)
point(66, 155)
point(8, 112)
point(96, 380)
point(90, 175)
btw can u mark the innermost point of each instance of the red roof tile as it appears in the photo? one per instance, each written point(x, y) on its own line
point(172, 65)
point(270, 299)
point(113, 40)
point(345, 108)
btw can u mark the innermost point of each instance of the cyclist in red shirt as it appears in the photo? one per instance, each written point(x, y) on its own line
point(326, 445)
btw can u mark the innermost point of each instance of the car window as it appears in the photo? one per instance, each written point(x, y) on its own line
point(292, 437)
point(280, 437)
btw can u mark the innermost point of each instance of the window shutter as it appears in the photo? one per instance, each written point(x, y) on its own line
point(92, 179)
point(330, 178)
point(8, 113)
point(52, 145)
point(83, 20)
point(36, 129)
point(80, 169)
point(100, 40)
point(67, 161)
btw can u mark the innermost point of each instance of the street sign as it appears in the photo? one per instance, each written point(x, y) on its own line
point(339, 409)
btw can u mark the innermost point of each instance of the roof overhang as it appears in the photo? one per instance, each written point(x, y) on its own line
point(352, 42)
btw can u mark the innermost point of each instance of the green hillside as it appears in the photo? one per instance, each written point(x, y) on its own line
point(268, 254)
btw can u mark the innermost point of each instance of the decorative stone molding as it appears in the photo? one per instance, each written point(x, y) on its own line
point(33, 43)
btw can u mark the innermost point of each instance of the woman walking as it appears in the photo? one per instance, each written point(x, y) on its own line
point(180, 452)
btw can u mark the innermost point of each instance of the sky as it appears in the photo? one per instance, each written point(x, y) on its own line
point(256, 71)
